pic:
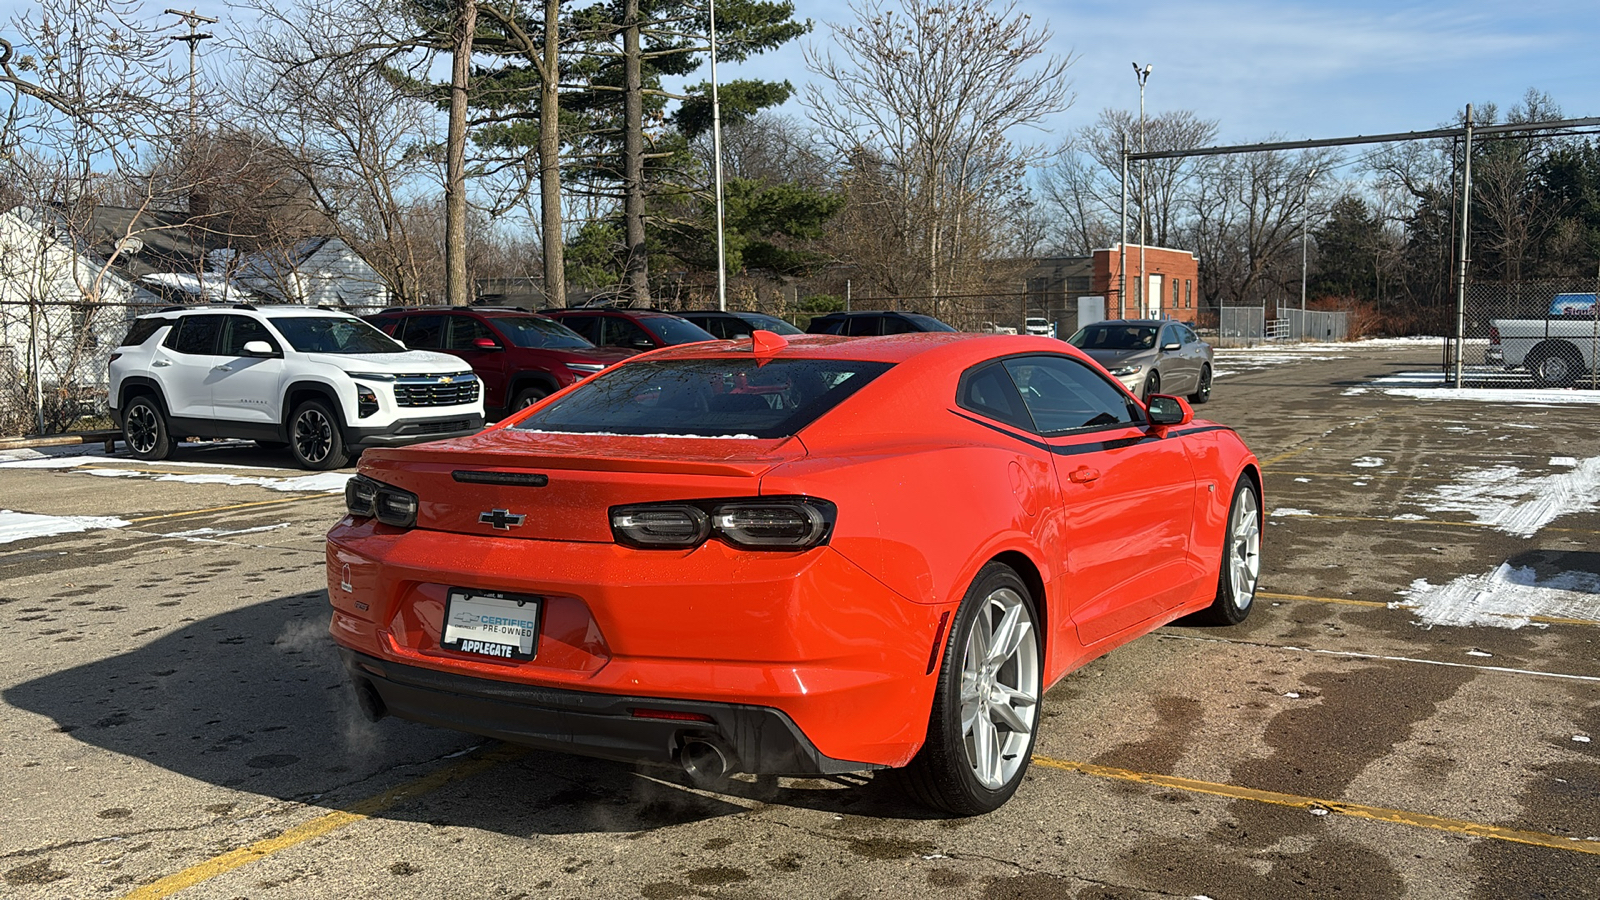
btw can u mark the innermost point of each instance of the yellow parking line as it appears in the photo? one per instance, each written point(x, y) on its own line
point(1443, 522)
point(333, 821)
point(1550, 620)
point(1272, 460)
point(200, 512)
point(1354, 810)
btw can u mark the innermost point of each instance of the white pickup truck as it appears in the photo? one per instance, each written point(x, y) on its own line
point(1557, 351)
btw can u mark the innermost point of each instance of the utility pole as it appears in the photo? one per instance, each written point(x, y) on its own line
point(1305, 237)
point(1144, 284)
point(716, 166)
point(193, 39)
point(1122, 241)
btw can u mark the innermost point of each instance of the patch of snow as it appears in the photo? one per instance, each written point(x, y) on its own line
point(1368, 462)
point(1292, 695)
point(15, 526)
point(1409, 517)
point(322, 481)
point(1476, 652)
point(1318, 811)
point(1582, 739)
point(1504, 498)
point(1568, 461)
point(1290, 511)
point(210, 535)
point(1506, 598)
point(1303, 480)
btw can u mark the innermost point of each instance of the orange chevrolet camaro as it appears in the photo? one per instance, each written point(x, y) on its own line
point(793, 557)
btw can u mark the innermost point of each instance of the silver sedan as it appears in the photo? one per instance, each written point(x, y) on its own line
point(1150, 356)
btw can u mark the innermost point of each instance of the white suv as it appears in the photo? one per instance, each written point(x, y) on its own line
point(323, 383)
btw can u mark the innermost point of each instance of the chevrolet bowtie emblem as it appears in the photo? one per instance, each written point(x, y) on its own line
point(446, 379)
point(503, 519)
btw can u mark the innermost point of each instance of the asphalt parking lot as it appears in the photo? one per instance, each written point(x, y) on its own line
point(1408, 712)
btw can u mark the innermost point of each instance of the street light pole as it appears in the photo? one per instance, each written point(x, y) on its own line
point(1305, 236)
point(1144, 284)
point(716, 167)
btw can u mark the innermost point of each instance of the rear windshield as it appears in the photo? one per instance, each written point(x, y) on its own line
point(143, 328)
point(707, 397)
point(333, 334)
point(1115, 337)
point(769, 323)
point(673, 330)
point(537, 331)
point(927, 323)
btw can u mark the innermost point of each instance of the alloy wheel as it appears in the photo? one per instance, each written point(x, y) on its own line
point(1244, 556)
point(140, 429)
point(313, 435)
point(999, 688)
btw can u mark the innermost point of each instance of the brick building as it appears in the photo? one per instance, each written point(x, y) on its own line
point(1172, 279)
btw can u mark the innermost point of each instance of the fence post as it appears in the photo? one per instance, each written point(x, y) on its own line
point(1461, 282)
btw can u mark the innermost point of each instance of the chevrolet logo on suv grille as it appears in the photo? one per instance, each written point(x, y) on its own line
point(503, 519)
point(446, 379)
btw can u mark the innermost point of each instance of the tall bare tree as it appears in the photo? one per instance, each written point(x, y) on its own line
point(934, 95)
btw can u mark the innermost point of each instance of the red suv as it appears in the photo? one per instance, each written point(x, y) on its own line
point(633, 330)
point(519, 356)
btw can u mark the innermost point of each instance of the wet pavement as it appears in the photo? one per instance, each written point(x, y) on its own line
point(175, 723)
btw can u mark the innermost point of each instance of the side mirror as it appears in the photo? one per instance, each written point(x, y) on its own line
point(485, 344)
point(1169, 411)
point(259, 349)
point(1169, 348)
point(640, 343)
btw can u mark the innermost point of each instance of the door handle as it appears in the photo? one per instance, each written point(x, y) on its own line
point(1084, 475)
point(159, 364)
point(222, 368)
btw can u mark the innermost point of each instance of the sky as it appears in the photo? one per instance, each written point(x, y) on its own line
point(1266, 69)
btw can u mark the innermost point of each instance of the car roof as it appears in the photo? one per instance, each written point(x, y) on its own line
point(1134, 322)
point(894, 348)
point(293, 309)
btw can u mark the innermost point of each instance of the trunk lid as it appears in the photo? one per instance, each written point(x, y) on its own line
point(563, 485)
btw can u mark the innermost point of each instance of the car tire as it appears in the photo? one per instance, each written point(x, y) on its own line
point(1152, 386)
point(985, 712)
point(144, 429)
point(315, 438)
point(527, 397)
point(1203, 392)
point(1557, 366)
point(1240, 569)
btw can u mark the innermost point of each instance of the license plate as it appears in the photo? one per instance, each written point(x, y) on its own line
point(503, 626)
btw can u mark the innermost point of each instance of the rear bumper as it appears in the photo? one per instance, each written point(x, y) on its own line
point(808, 637)
point(414, 431)
point(763, 741)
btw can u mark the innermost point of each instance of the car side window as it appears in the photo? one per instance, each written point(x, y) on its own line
point(1063, 394)
point(897, 325)
point(465, 330)
point(718, 326)
point(584, 325)
point(240, 330)
point(424, 332)
point(989, 391)
point(861, 326)
point(619, 332)
point(195, 334)
point(828, 326)
point(1187, 335)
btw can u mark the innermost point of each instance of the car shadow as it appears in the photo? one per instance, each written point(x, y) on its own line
point(255, 699)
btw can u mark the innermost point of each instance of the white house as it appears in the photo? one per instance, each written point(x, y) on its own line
point(317, 271)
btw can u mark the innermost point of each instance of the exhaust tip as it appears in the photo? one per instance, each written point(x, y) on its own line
point(706, 759)
point(370, 701)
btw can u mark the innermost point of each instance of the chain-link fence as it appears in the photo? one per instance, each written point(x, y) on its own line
point(53, 363)
point(1313, 325)
point(1527, 334)
point(1241, 326)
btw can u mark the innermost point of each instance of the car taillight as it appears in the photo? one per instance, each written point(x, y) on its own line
point(368, 498)
point(114, 357)
point(792, 523)
point(660, 526)
point(776, 523)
